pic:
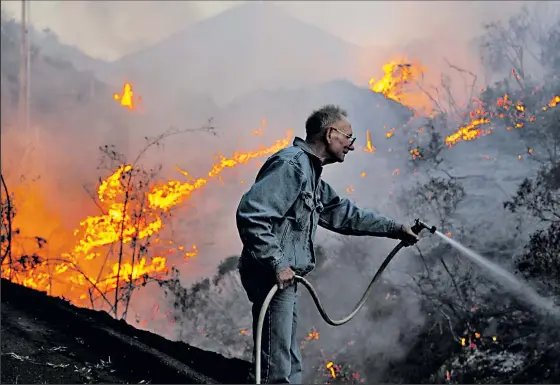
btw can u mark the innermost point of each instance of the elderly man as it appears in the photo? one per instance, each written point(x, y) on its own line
point(277, 220)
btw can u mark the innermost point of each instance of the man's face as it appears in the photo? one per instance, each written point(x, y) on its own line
point(340, 140)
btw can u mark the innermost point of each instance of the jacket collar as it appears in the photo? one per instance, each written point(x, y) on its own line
point(299, 142)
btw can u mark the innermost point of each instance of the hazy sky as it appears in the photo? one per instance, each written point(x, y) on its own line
point(110, 29)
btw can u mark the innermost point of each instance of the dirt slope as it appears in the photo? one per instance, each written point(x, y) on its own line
point(47, 340)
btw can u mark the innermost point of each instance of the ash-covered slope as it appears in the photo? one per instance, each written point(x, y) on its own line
point(246, 48)
point(47, 340)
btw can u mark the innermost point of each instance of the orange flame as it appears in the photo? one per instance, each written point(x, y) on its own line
point(469, 132)
point(553, 103)
point(127, 97)
point(400, 83)
point(330, 367)
point(390, 133)
point(77, 271)
point(369, 147)
point(481, 117)
point(312, 335)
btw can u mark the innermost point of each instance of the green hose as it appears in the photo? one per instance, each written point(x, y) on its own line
point(319, 306)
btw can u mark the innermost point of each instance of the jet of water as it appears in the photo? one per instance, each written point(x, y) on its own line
point(521, 289)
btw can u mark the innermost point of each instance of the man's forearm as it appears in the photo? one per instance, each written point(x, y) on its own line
point(348, 219)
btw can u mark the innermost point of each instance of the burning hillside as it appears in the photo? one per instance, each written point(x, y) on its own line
point(84, 273)
point(434, 318)
point(402, 82)
point(505, 110)
point(110, 249)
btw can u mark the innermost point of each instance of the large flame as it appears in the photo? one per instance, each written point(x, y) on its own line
point(75, 272)
point(400, 82)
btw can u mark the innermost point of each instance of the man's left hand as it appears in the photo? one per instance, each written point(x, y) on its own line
point(405, 234)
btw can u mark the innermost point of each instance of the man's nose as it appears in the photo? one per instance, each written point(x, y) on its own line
point(351, 148)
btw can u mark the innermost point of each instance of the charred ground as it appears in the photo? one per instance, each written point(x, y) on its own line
point(48, 340)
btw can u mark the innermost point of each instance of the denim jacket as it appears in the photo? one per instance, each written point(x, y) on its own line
point(277, 218)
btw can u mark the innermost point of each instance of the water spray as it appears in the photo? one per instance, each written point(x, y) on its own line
point(416, 228)
point(523, 290)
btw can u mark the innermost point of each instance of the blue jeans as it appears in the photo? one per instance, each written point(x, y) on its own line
point(280, 352)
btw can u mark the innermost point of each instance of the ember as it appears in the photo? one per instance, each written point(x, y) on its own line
point(313, 335)
point(390, 133)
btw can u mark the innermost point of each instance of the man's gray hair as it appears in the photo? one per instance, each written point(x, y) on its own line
point(323, 118)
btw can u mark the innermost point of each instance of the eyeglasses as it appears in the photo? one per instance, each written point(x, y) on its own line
point(351, 138)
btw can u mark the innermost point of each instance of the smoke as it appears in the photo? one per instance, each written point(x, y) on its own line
point(128, 26)
point(389, 24)
point(110, 29)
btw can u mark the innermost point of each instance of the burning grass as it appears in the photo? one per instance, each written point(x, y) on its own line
point(123, 246)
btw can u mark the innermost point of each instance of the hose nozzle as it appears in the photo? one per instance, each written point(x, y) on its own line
point(419, 226)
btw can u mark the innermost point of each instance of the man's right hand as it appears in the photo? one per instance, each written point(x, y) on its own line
point(285, 278)
point(405, 234)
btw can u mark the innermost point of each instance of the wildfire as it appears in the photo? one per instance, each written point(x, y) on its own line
point(123, 222)
point(469, 132)
point(126, 99)
point(369, 147)
point(480, 117)
point(400, 83)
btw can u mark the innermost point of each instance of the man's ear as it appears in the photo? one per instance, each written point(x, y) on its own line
point(328, 135)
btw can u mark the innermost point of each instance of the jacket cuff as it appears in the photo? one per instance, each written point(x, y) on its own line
point(394, 227)
point(280, 264)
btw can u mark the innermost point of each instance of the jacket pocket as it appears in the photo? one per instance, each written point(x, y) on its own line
point(305, 210)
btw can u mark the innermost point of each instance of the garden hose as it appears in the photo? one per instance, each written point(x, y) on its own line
point(418, 226)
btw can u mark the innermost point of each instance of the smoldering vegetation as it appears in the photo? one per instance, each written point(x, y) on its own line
point(434, 318)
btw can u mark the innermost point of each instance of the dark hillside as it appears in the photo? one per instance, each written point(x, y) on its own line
point(45, 339)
